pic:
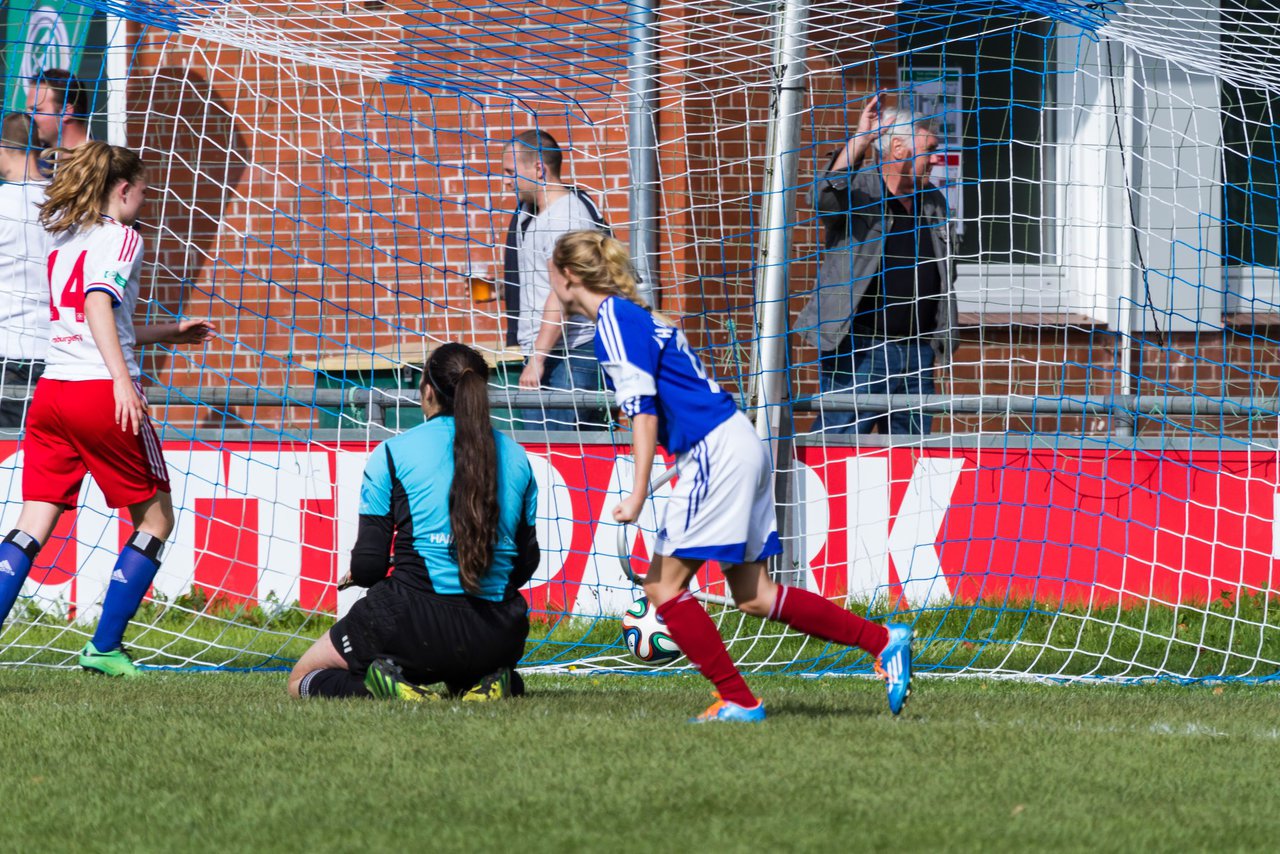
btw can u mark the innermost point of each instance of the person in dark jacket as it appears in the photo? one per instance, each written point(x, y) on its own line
point(884, 309)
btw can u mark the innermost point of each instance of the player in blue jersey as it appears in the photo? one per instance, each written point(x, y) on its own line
point(722, 506)
point(457, 499)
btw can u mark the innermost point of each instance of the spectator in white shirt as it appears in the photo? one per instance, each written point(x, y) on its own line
point(558, 349)
point(24, 286)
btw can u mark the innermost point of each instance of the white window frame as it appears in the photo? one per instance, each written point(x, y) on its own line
point(1253, 291)
point(117, 71)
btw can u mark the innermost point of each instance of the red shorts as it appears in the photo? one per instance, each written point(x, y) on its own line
point(71, 431)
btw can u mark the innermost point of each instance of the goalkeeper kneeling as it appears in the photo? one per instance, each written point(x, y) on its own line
point(444, 616)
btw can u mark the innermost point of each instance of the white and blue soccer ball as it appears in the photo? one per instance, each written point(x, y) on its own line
point(646, 635)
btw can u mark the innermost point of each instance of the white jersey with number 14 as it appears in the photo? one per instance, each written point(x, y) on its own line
point(106, 257)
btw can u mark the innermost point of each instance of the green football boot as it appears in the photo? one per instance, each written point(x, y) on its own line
point(113, 663)
point(385, 681)
point(495, 686)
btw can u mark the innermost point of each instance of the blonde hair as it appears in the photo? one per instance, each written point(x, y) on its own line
point(83, 177)
point(601, 263)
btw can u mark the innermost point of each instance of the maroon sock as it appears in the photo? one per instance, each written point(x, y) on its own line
point(698, 638)
point(810, 613)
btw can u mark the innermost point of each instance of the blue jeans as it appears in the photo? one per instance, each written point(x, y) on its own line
point(877, 366)
point(574, 370)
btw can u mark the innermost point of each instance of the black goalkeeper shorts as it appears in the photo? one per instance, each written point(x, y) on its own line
point(452, 639)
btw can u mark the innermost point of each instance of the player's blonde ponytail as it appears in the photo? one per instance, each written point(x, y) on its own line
point(82, 178)
point(600, 262)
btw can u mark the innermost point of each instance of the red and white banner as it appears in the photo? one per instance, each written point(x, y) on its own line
point(275, 523)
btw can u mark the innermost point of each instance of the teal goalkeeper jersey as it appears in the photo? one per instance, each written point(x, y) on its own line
point(407, 482)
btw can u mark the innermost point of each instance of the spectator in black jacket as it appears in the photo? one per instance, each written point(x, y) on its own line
point(884, 309)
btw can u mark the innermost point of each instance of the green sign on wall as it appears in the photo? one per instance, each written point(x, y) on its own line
point(40, 35)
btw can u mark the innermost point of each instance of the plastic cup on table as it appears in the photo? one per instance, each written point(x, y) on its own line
point(480, 279)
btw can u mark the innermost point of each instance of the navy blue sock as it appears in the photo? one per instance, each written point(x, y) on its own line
point(17, 552)
point(333, 682)
point(135, 568)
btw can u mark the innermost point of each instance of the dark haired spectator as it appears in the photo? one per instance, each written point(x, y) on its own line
point(61, 105)
point(559, 353)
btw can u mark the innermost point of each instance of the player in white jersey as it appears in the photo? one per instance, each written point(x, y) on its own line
point(722, 506)
point(88, 415)
point(24, 294)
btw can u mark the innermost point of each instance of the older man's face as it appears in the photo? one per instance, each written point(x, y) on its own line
point(926, 155)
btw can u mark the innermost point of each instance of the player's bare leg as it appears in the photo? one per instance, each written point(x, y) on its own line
point(38, 518)
point(154, 516)
point(668, 577)
point(322, 655)
point(753, 591)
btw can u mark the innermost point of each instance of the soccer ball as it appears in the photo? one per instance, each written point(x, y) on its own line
point(646, 634)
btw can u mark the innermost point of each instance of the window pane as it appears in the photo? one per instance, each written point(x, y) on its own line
point(93, 71)
point(1006, 66)
point(1249, 146)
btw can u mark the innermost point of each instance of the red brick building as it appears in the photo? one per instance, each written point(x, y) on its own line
point(327, 214)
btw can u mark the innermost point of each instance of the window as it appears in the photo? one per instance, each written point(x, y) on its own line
point(1251, 174)
point(1091, 176)
point(1006, 203)
point(1006, 67)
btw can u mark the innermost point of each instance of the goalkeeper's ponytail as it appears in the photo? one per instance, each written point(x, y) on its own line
point(459, 377)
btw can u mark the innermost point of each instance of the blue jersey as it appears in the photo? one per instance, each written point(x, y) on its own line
point(650, 367)
point(406, 483)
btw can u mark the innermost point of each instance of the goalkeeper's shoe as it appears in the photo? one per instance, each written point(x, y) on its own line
point(113, 663)
point(498, 685)
point(722, 711)
point(385, 681)
point(894, 665)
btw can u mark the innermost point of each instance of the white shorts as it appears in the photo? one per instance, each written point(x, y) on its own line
point(722, 506)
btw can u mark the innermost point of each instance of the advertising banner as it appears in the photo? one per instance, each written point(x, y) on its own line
point(40, 36)
point(259, 524)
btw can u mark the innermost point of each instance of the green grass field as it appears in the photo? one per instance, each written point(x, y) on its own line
point(225, 762)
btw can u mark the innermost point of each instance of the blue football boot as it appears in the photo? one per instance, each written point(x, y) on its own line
point(894, 665)
point(722, 711)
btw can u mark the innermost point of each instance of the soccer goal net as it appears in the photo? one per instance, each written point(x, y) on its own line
point(1044, 432)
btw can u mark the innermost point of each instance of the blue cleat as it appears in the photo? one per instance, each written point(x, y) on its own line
point(894, 666)
point(722, 711)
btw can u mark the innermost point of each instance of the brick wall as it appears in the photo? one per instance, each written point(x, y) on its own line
point(324, 216)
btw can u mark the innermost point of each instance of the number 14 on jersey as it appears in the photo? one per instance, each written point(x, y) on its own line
point(72, 290)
